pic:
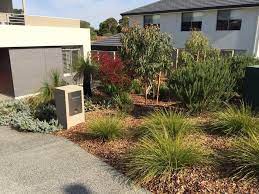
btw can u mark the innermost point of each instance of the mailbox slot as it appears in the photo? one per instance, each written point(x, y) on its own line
point(75, 103)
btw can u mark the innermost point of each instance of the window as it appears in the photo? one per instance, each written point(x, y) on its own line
point(240, 52)
point(151, 20)
point(70, 56)
point(192, 21)
point(228, 20)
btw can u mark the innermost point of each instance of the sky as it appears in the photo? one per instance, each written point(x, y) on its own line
point(93, 11)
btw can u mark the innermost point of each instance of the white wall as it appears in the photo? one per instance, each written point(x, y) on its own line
point(32, 36)
point(241, 40)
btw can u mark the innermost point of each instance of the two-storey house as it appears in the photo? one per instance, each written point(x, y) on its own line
point(230, 25)
point(32, 46)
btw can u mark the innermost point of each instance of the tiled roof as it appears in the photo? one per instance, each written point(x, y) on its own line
point(114, 40)
point(164, 6)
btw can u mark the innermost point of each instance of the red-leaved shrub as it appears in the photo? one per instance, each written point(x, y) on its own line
point(112, 70)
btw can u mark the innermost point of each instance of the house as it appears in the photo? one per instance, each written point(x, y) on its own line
point(231, 25)
point(32, 46)
point(110, 45)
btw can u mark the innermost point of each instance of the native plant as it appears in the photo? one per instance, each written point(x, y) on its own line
point(48, 88)
point(235, 121)
point(123, 102)
point(244, 158)
point(198, 48)
point(106, 128)
point(112, 73)
point(147, 53)
point(203, 85)
point(159, 156)
point(175, 124)
point(84, 70)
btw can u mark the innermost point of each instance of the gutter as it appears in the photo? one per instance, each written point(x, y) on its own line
point(191, 9)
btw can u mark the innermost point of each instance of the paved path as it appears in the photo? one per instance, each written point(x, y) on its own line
point(37, 163)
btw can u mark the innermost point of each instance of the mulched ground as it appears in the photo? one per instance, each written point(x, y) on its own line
point(206, 179)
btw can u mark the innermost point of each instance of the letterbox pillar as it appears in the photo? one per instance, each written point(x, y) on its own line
point(70, 105)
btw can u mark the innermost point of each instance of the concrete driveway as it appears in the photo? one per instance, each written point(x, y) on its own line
point(37, 163)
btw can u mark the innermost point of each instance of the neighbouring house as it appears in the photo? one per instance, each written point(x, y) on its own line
point(109, 45)
point(32, 46)
point(231, 25)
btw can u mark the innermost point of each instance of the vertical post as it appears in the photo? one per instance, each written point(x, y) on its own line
point(24, 6)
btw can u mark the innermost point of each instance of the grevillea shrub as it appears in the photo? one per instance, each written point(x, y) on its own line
point(203, 85)
point(112, 71)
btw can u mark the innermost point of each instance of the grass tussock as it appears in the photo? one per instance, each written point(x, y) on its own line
point(175, 124)
point(106, 128)
point(235, 121)
point(159, 156)
point(244, 158)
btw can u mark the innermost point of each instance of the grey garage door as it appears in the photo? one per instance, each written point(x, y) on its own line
point(31, 66)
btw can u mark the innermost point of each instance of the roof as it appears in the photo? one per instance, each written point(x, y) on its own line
point(165, 6)
point(114, 40)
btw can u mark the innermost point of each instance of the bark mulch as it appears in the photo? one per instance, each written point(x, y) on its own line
point(206, 179)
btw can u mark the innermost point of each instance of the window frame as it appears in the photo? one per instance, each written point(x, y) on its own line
point(152, 23)
point(230, 21)
point(191, 22)
point(70, 51)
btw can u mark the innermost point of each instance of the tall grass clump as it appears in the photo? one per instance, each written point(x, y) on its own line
point(174, 124)
point(106, 128)
point(160, 156)
point(203, 85)
point(244, 158)
point(123, 102)
point(235, 121)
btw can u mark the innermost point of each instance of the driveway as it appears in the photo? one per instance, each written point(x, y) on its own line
point(37, 163)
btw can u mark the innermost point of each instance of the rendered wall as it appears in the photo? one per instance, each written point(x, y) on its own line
point(32, 66)
point(51, 22)
point(241, 40)
point(34, 36)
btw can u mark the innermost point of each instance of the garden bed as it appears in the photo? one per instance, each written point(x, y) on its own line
point(205, 179)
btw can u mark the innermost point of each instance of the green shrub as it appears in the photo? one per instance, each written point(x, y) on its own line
point(174, 124)
point(19, 115)
point(45, 112)
point(159, 156)
point(244, 158)
point(235, 121)
point(106, 128)
point(203, 85)
point(136, 87)
point(238, 66)
point(164, 92)
point(123, 102)
point(111, 89)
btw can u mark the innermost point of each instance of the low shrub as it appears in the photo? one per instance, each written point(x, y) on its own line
point(244, 158)
point(106, 128)
point(111, 89)
point(175, 124)
point(203, 85)
point(123, 102)
point(136, 87)
point(24, 121)
point(160, 156)
point(45, 112)
point(235, 121)
point(19, 115)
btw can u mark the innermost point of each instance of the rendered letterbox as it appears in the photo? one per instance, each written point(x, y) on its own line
point(70, 105)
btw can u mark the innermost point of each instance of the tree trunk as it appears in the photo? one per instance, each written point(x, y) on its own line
point(87, 85)
point(158, 87)
point(146, 93)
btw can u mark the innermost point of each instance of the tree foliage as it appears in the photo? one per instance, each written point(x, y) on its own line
point(147, 52)
point(198, 48)
point(108, 27)
point(123, 23)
